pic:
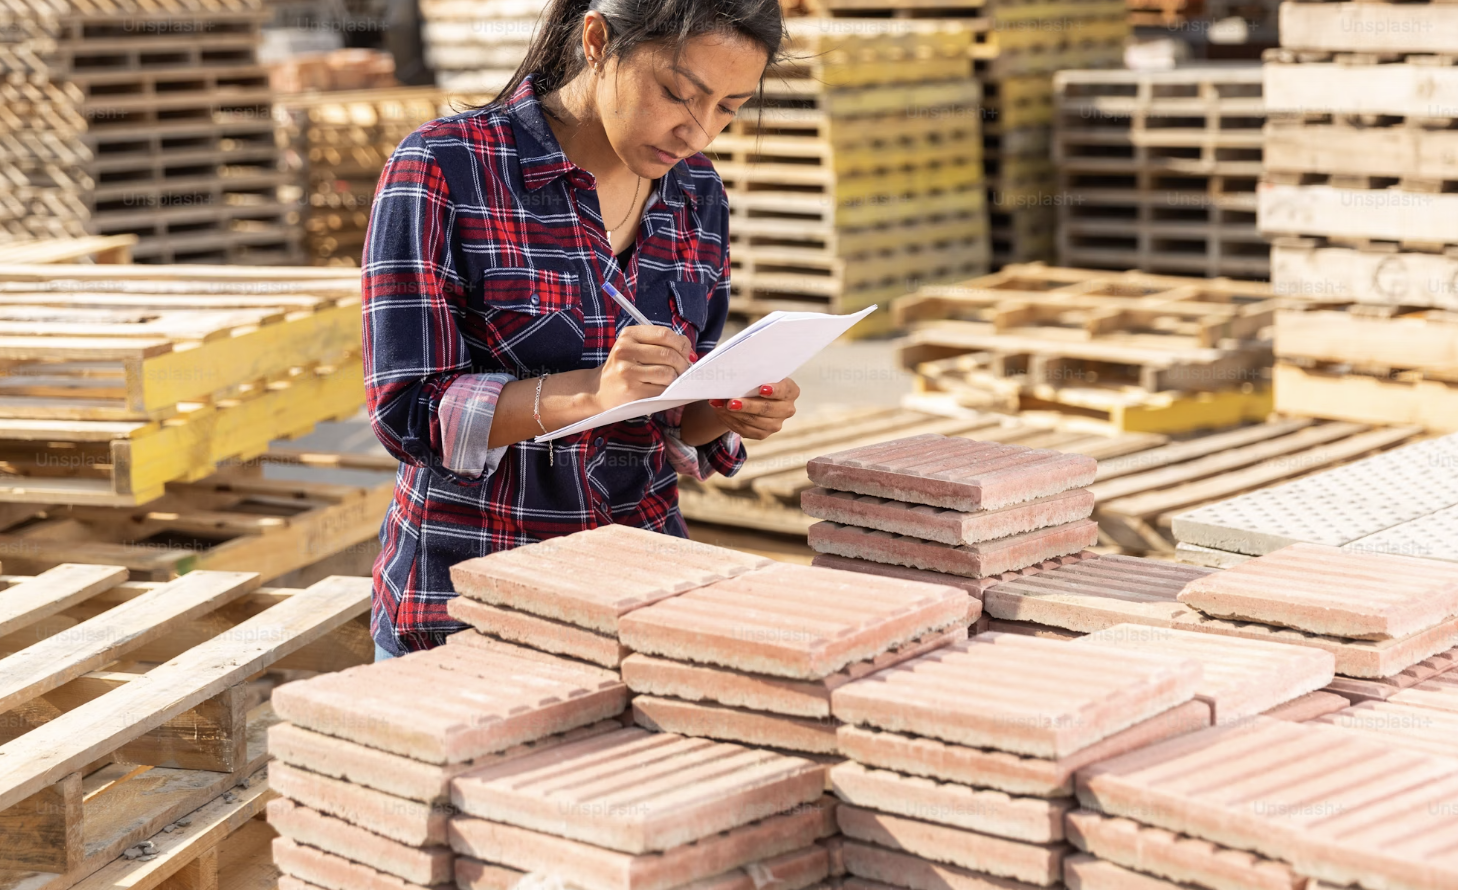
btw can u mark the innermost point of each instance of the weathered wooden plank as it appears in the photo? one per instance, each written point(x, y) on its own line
point(1429, 404)
point(45, 830)
point(1427, 344)
point(1380, 277)
point(1301, 147)
point(44, 755)
point(1402, 90)
point(1369, 27)
point(53, 591)
point(1378, 214)
point(1180, 452)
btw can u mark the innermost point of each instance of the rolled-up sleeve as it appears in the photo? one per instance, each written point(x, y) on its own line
point(425, 406)
point(725, 454)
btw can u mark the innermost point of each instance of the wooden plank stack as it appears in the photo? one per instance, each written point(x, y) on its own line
point(1160, 169)
point(120, 379)
point(860, 172)
point(343, 140)
point(1359, 170)
point(1141, 352)
point(476, 45)
point(145, 118)
point(135, 750)
point(91, 248)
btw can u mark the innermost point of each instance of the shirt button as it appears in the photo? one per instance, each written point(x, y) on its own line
point(536, 298)
point(598, 441)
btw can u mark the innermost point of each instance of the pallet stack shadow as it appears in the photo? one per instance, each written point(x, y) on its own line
point(475, 46)
point(949, 510)
point(1141, 352)
point(134, 744)
point(1357, 199)
point(1159, 169)
point(153, 119)
point(122, 379)
point(342, 141)
point(860, 171)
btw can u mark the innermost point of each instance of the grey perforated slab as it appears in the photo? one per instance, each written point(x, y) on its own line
point(1345, 504)
point(1434, 536)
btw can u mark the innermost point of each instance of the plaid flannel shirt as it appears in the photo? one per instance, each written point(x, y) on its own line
point(483, 264)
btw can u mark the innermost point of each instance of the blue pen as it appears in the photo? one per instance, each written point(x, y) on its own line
point(622, 301)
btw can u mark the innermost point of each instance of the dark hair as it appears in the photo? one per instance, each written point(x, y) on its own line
point(556, 56)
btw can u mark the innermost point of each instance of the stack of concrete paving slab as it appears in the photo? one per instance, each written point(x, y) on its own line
point(1403, 501)
point(644, 811)
point(1267, 803)
point(963, 759)
point(950, 510)
point(1423, 718)
point(756, 659)
point(565, 596)
point(364, 763)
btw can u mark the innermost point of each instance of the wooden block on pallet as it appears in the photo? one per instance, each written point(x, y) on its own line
point(44, 831)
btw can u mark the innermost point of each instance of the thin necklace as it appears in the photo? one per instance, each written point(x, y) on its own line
point(636, 189)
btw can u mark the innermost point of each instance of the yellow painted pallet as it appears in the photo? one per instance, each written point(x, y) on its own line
point(859, 52)
point(891, 200)
point(1020, 101)
point(820, 245)
point(115, 463)
point(75, 347)
point(789, 269)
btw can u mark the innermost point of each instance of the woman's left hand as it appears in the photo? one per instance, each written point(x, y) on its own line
point(761, 416)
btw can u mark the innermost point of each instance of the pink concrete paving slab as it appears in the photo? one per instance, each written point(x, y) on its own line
point(590, 867)
point(1028, 629)
point(1032, 819)
point(391, 773)
point(524, 628)
point(793, 621)
point(1040, 864)
point(314, 866)
point(472, 636)
point(799, 870)
point(409, 822)
point(877, 868)
point(1094, 594)
point(946, 526)
point(650, 675)
point(833, 847)
point(1325, 590)
point(1308, 707)
point(592, 578)
point(479, 703)
point(1176, 857)
point(1241, 677)
point(1262, 785)
point(1440, 693)
point(1087, 873)
point(757, 728)
point(970, 560)
point(1386, 687)
point(1422, 729)
point(973, 586)
point(636, 791)
point(302, 825)
point(1013, 773)
point(1042, 698)
point(1364, 659)
point(956, 473)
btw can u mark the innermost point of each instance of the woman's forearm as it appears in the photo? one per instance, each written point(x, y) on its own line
point(567, 398)
point(700, 424)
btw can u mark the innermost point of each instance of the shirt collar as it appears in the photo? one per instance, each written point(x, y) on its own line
point(543, 161)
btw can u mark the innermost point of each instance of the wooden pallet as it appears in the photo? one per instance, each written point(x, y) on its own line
point(131, 716)
point(101, 250)
point(233, 520)
point(1380, 342)
point(1382, 28)
point(765, 494)
point(866, 52)
point(1333, 391)
point(1408, 86)
point(1410, 214)
point(935, 9)
point(1022, 234)
point(77, 348)
point(123, 463)
point(1374, 273)
point(1405, 150)
point(1139, 494)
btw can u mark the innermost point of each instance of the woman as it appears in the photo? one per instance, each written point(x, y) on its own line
point(492, 236)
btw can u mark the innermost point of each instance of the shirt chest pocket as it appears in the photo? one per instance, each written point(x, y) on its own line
point(528, 321)
point(682, 304)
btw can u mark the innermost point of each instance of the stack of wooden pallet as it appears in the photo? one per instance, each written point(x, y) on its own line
point(343, 141)
point(1159, 169)
point(1210, 29)
point(476, 45)
point(142, 117)
point(134, 747)
point(121, 379)
point(1141, 352)
point(1360, 172)
point(860, 173)
point(91, 248)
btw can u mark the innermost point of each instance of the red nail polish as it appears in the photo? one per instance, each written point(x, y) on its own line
point(693, 356)
point(735, 405)
point(716, 403)
point(767, 390)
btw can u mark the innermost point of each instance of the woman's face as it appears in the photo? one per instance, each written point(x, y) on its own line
point(659, 106)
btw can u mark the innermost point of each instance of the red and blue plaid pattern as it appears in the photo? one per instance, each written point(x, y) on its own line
point(483, 265)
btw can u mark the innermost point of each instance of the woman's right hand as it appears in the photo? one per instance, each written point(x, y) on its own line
point(644, 361)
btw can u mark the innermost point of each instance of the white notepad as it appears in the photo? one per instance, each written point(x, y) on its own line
point(767, 351)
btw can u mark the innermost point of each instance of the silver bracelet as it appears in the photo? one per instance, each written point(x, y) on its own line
point(537, 416)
